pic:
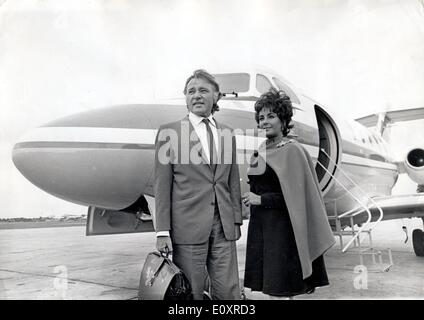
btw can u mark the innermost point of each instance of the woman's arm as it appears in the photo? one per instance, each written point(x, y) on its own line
point(270, 200)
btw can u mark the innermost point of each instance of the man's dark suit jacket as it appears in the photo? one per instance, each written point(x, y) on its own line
point(185, 193)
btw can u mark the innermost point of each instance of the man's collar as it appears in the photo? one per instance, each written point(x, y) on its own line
point(195, 119)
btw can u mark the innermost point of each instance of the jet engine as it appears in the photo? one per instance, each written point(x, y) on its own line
point(414, 165)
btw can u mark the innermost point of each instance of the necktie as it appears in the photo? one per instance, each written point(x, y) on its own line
point(211, 143)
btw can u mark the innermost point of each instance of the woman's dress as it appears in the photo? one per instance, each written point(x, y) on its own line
point(272, 260)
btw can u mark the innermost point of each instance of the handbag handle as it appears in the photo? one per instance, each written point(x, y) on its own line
point(166, 259)
point(171, 265)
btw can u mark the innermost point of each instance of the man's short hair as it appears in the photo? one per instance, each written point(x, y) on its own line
point(202, 74)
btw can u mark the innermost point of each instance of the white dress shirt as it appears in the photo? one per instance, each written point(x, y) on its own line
point(201, 131)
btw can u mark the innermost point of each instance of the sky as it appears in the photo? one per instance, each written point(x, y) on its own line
point(62, 57)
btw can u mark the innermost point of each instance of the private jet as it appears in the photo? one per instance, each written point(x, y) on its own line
point(104, 158)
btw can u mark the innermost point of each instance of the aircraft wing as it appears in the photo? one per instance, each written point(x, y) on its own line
point(392, 117)
point(399, 206)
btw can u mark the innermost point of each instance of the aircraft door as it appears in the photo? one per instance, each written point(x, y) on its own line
point(330, 150)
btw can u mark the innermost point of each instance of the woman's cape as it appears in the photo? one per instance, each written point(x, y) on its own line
point(299, 184)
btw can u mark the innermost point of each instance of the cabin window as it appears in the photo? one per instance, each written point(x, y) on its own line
point(262, 84)
point(233, 82)
point(282, 86)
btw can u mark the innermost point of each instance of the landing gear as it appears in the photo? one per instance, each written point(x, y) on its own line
point(418, 242)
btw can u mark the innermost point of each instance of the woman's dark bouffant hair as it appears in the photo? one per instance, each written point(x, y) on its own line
point(278, 102)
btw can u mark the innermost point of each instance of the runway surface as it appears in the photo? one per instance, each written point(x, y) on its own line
point(62, 263)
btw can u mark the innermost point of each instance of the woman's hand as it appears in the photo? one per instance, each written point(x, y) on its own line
point(250, 198)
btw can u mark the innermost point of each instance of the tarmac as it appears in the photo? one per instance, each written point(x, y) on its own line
point(62, 263)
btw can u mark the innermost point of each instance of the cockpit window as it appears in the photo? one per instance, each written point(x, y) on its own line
point(262, 83)
point(282, 86)
point(233, 82)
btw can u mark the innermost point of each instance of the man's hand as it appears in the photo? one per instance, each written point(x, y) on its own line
point(238, 231)
point(164, 244)
point(245, 212)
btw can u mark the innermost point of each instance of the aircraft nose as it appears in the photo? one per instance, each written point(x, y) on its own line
point(102, 157)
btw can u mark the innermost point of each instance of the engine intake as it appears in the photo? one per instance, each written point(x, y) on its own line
point(414, 165)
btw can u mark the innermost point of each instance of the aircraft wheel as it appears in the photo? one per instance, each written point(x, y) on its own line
point(418, 242)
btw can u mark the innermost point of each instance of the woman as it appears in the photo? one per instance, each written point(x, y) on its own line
point(288, 229)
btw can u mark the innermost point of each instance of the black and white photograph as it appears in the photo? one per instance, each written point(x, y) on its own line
point(235, 151)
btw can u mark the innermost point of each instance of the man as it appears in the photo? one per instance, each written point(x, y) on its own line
point(197, 193)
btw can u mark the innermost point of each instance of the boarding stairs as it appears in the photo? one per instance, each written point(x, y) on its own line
point(360, 235)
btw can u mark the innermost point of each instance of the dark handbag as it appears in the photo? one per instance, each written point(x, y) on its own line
point(161, 279)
